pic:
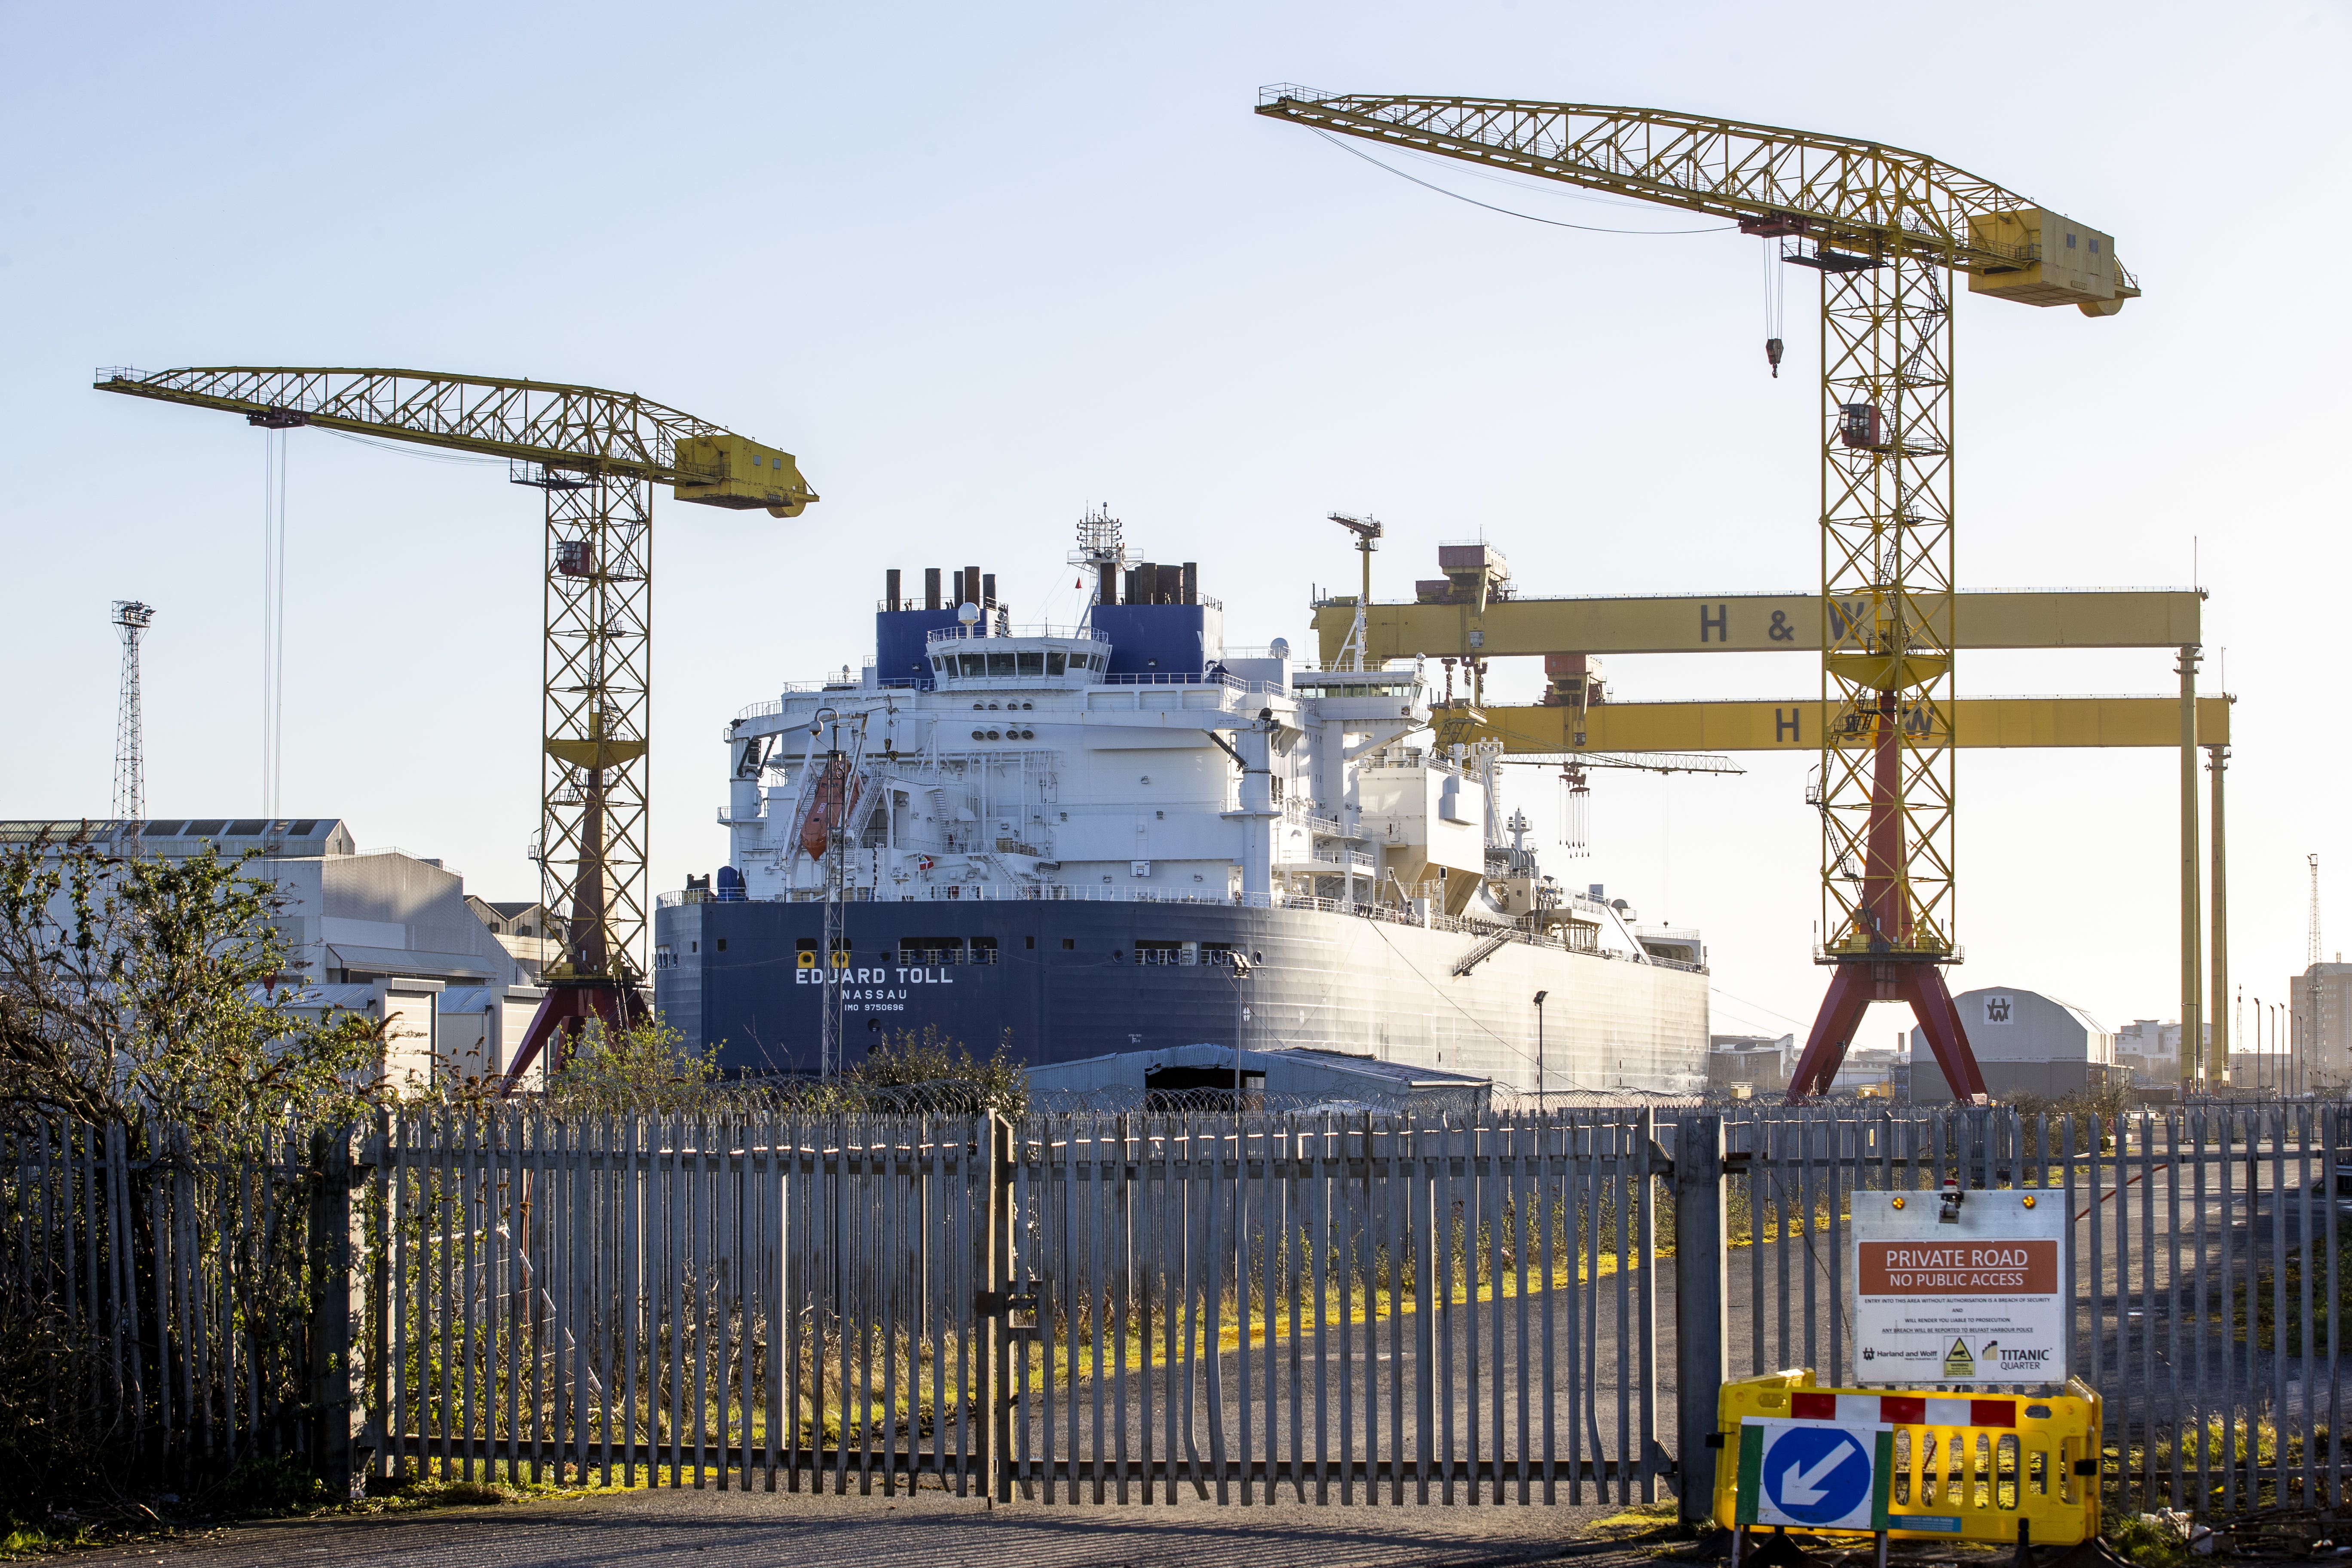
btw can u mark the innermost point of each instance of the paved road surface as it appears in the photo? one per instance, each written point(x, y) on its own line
point(929, 1531)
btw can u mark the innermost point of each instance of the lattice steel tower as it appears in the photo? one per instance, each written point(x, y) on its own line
point(131, 618)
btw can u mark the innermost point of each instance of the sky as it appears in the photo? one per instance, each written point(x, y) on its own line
point(983, 267)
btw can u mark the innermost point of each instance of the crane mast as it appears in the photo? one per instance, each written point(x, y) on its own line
point(595, 456)
point(1888, 232)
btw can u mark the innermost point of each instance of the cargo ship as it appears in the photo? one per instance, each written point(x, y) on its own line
point(1128, 835)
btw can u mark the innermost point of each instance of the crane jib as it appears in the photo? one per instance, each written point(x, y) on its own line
point(595, 454)
point(1859, 202)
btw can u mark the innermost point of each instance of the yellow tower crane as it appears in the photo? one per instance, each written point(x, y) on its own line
point(1887, 230)
point(596, 456)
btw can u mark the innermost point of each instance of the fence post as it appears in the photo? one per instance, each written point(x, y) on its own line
point(338, 1300)
point(995, 1426)
point(1702, 1315)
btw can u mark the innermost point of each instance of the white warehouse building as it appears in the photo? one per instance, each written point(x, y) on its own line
point(2025, 1043)
point(381, 932)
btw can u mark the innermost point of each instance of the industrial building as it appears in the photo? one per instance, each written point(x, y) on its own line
point(1746, 1065)
point(2323, 1023)
point(2025, 1043)
point(521, 927)
point(1332, 1080)
point(381, 932)
point(2147, 1053)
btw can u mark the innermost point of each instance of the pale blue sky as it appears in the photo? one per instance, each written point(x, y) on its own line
point(979, 268)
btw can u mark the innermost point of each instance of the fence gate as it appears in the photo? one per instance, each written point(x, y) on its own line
point(1074, 1308)
point(1099, 1308)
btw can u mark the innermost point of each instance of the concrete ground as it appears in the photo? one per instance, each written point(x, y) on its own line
point(930, 1529)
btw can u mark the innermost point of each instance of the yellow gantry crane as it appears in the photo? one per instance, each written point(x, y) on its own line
point(1888, 231)
point(596, 456)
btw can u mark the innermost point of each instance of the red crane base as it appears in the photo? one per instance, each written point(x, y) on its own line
point(1858, 982)
point(563, 1012)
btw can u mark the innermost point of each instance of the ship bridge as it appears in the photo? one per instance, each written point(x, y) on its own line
point(963, 658)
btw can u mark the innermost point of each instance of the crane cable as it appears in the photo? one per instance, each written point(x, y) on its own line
point(273, 622)
point(1507, 212)
point(1775, 303)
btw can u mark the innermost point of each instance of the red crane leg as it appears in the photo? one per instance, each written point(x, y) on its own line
point(564, 1012)
point(1931, 1002)
point(1851, 991)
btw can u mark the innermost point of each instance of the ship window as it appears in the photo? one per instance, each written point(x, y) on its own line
point(974, 664)
point(1032, 663)
point(1069, 944)
point(999, 664)
point(1056, 663)
point(940, 665)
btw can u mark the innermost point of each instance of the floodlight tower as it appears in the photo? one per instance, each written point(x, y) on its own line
point(131, 618)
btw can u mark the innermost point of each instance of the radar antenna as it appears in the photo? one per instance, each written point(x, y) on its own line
point(1102, 550)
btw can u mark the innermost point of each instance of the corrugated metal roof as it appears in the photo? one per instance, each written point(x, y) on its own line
point(301, 836)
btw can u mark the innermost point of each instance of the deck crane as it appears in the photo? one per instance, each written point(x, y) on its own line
point(595, 455)
point(1887, 230)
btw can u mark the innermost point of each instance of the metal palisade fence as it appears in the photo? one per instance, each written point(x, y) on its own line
point(1074, 1307)
point(2208, 1272)
point(184, 1312)
point(1365, 1307)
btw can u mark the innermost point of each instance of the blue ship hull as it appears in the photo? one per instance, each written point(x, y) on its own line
point(1067, 984)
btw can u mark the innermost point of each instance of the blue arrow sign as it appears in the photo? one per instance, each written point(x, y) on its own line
point(1817, 1476)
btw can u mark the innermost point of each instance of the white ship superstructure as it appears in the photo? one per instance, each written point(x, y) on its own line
point(1097, 803)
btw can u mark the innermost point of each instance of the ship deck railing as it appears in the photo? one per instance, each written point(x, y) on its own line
point(984, 634)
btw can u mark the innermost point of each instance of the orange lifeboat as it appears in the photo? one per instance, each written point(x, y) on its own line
point(830, 804)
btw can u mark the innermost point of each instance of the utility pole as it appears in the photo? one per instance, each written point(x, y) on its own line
point(1540, 1051)
point(2311, 1036)
point(131, 619)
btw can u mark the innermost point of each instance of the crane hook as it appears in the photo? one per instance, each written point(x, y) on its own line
point(1772, 353)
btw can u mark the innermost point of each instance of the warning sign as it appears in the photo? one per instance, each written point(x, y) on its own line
point(1959, 1288)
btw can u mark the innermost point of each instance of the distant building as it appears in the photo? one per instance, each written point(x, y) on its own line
point(1757, 1063)
point(384, 933)
point(1872, 1072)
point(434, 1034)
point(521, 927)
point(350, 918)
point(2325, 1040)
point(2024, 1042)
point(2147, 1053)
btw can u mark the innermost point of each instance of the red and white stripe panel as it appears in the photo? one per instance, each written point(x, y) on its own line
point(1903, 1410)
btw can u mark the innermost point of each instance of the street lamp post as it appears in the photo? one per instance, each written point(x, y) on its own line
point(1540, 1051)
point(1241, 967)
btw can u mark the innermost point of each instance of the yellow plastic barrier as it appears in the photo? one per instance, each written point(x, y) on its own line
point(1948, 1467)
